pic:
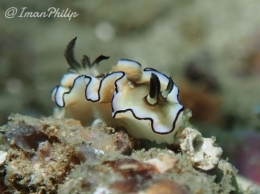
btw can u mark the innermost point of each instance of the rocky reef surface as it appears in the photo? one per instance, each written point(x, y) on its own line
point(51, 155)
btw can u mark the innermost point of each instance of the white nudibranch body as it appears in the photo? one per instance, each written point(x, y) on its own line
point(144, 102)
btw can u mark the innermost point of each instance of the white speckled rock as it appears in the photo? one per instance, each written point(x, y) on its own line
point(202, 151)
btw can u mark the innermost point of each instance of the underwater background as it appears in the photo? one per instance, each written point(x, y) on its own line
point(211, 49)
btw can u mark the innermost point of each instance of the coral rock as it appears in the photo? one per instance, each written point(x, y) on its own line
point(202, 151)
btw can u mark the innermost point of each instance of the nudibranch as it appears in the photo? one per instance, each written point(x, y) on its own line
point(143, 101)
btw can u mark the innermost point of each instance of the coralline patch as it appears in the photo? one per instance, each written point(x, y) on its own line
point(100, 159)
